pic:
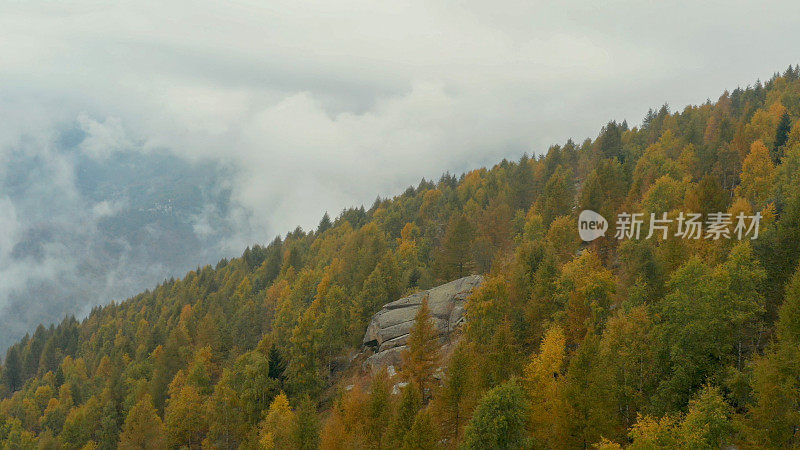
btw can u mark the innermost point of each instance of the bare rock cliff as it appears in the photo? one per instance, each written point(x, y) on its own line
point(388, 330)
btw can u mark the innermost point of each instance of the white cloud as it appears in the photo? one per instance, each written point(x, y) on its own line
point(322, 105)
point(10, 227)
point(106, 208)
point(102, 138)
point(325, 104)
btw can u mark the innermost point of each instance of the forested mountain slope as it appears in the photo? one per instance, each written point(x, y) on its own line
point(646, 342)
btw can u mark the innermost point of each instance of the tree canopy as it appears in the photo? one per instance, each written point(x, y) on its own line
point(660, 342)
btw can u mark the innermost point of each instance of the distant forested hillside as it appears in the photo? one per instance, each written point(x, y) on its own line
point(120, 223)
point(648, 343)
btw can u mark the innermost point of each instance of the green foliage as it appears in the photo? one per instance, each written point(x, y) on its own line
point(500, 419)
point(407, 409)
point(610, 140)
point(422, 435)
point(420, 358)
point(657, 343)
point(454, 260)
point(559, 194)
point(251, 381)
point(708, 422)
point(707, 425)
point(708, 319)
point(649, 433)
point(628, 356)
point(774, 418)
point(142, 428)
point(305, 429)
point(586, 290)
point(184, 419)
point(781, 136)
point(378, 409)
point(455, 400)
point(544, 380)
point(227, 425)
point(788, 327)
point(589, 410)
point(275, 431)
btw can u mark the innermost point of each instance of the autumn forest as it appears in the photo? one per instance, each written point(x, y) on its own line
point(609, 344)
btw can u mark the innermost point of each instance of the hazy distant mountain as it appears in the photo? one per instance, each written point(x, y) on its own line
point(90, 230)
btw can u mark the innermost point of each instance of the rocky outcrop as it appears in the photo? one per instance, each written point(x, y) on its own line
point(388, 330)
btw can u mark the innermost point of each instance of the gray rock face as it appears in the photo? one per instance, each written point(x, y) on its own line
point(388, 330)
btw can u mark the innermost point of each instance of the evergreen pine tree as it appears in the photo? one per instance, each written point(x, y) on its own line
point(142, 429)
point(454, 259)
point(781, 137)
point(500, 420)
point(419, 360)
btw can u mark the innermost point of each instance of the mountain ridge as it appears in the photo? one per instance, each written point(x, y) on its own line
point(255, 337)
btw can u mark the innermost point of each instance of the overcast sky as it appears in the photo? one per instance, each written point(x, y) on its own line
point(318, 106)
